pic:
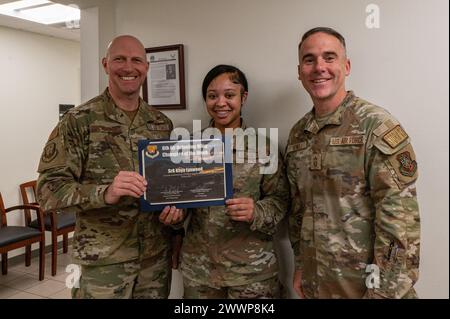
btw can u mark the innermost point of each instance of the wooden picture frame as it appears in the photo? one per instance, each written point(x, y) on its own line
point(164, 87)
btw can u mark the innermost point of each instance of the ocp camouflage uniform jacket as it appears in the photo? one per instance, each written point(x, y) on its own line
point(86, 150)
point(219, 252)
point(354, 204)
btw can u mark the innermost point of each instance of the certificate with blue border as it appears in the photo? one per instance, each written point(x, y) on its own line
point(184, 173)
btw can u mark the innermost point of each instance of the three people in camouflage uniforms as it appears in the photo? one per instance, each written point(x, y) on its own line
point(354, 222)
point(228, 251)
point(89, 165)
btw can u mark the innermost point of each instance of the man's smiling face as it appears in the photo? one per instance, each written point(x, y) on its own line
point(323, 67)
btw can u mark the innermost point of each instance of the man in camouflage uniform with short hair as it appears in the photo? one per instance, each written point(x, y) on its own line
point(89, 166)
point(354, 224)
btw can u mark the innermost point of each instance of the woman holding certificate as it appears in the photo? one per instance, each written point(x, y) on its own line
point(228, 251)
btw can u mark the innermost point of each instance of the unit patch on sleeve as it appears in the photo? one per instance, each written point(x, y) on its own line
point(53, 154)
point(408, 166)
point(404, 166)
point(50, 152)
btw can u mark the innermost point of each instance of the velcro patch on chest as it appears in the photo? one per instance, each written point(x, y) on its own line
point(316, 162)
point(347, 140)
point(395, 136)
point(158, 127)
point(297, 147)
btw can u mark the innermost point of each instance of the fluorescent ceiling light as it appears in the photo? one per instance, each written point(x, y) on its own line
point(40, 11)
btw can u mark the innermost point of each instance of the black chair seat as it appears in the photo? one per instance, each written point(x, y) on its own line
point(64, 219)
point(12, 234)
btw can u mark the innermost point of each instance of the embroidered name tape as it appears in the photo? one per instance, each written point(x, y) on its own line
point(297, 147)
point(347, 140)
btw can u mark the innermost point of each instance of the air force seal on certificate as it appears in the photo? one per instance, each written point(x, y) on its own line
point(152, 151)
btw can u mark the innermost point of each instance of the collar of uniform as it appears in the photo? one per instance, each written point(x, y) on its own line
point(144, 114)
point(243, 127)
point(115, 113)
point(211, 124)
point(112, 110)
point(335, 119)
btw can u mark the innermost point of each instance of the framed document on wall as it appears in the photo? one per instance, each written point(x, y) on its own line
point(164, 86)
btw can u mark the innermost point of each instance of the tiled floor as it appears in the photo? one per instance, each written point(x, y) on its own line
point(22, 282)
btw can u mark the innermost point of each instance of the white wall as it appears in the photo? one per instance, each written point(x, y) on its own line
point(97, 30)
point(402, 66)
point(38, 74)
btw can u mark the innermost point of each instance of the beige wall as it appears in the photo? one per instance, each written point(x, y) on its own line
point(402, 66)
point(38, 74)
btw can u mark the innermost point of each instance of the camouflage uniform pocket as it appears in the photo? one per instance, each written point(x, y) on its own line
point(102, 233)
point(296, 155)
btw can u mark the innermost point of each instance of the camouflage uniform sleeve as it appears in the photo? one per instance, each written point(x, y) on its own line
point(294, 231)
point(392, 174)
point(61, 167)
point(295, 214)
point(273, 205)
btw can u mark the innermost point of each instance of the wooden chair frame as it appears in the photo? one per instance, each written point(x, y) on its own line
point(53, 226)
point(24, 242)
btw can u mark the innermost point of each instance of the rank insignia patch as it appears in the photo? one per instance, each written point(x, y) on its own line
point(408, 166)
point(316, 162)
